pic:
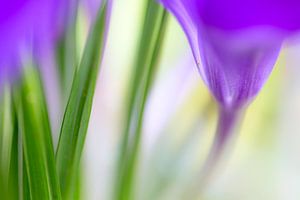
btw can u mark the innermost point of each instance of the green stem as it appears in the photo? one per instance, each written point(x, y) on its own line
point(228, 121)
point(145, 68)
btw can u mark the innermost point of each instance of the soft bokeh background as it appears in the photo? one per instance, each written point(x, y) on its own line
point(264, 161)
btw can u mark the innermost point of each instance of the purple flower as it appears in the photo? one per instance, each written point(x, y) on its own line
point(26, 27)
point(235, 43)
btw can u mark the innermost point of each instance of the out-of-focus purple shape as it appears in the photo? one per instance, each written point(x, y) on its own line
point(236, 43)
point(26, 27)
point(93, 7)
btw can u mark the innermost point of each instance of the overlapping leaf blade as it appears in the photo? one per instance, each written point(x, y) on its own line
point(145, 67)
point(77, 113)
point(8, 147)
point(39, 170)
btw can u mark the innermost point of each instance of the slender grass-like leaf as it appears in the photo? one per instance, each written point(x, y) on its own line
point(144, 73)
point(13, 181)
point(77, 113)
point(66, 52)
point(25, 182)
point(8, 147)
point(6, 134)
point(39, 163)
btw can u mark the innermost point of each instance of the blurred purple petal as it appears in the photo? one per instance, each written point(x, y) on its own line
point(26, 26)
point(93, 7)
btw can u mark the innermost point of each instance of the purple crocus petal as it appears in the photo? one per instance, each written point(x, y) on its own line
point(184, 13)
point(26, 27)
point(235, 66)
point(235, 43)
point(236, 14)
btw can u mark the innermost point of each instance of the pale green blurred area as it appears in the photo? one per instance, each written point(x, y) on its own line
point(263, 162)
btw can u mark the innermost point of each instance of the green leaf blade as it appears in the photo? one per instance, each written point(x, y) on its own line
point(39, 163)
point(145, 67)
point(78, 110)
point(8, 147)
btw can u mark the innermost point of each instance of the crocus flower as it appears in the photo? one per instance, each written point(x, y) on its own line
point(235, 44)
point(26, 27)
